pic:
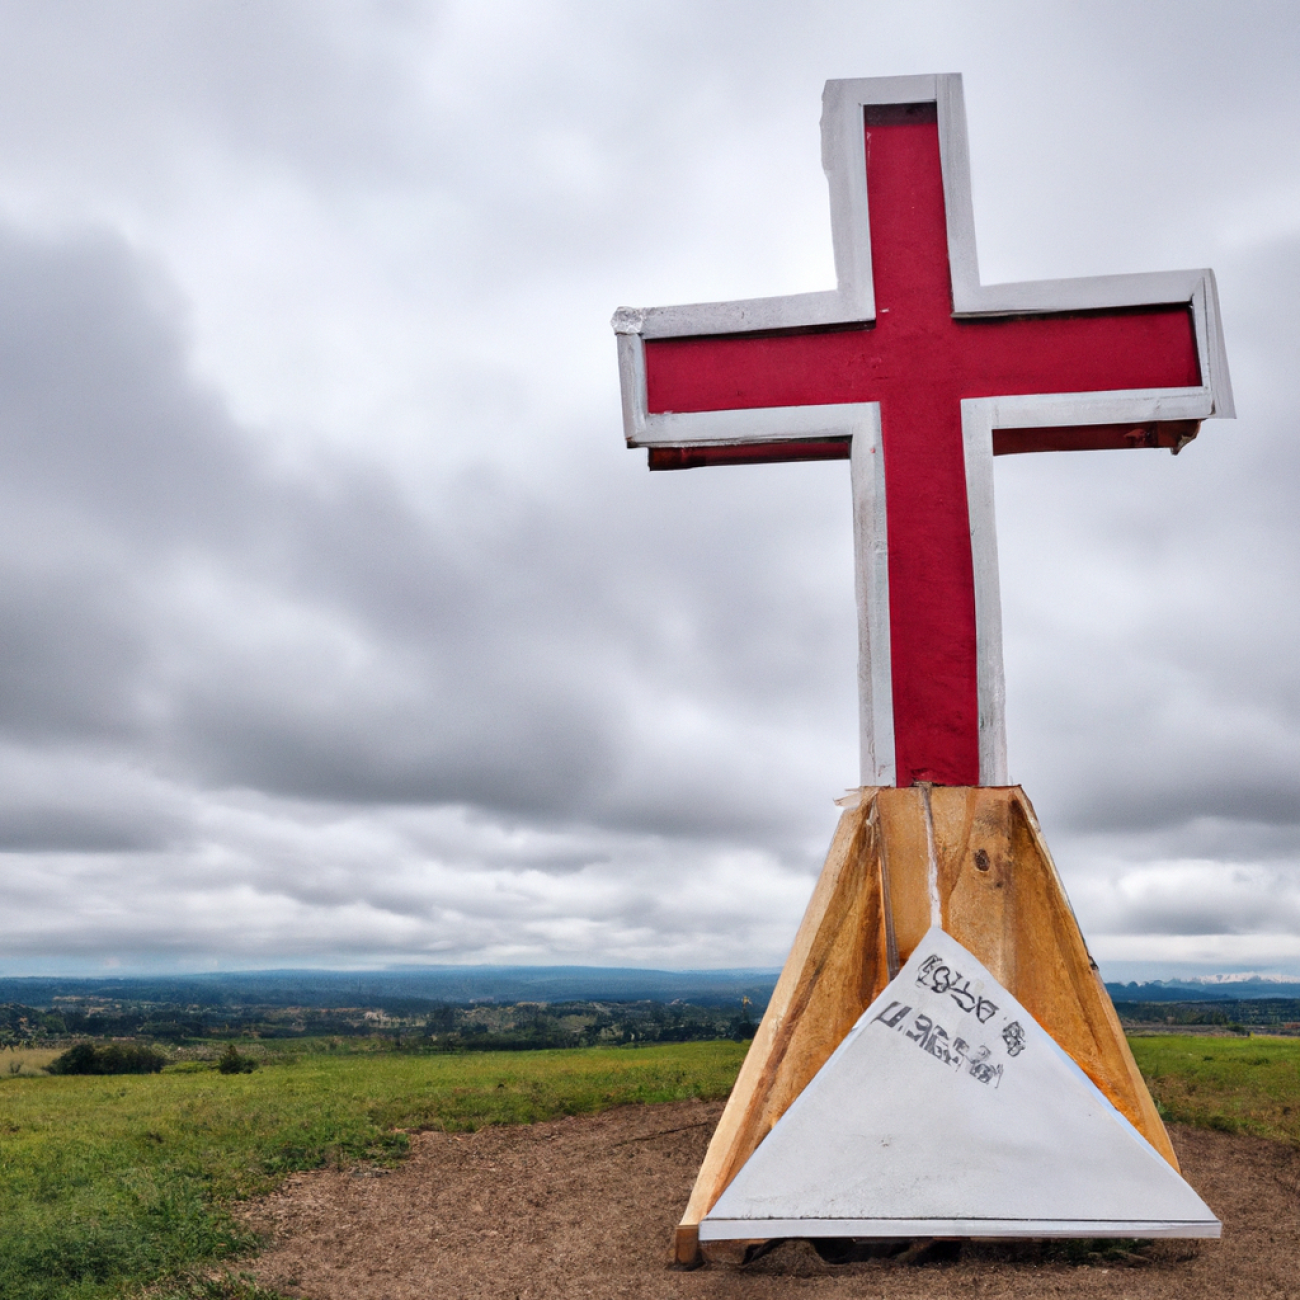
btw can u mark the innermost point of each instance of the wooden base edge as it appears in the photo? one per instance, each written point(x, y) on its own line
point(685, 1252)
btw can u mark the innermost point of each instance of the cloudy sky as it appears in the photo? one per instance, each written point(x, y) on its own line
point(338, 627)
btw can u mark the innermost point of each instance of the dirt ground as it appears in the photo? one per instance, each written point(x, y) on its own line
point(584, 1207)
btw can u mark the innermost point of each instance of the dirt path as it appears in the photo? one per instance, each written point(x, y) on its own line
point(583, 1207)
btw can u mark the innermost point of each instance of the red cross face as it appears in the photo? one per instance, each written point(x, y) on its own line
point(919, 375)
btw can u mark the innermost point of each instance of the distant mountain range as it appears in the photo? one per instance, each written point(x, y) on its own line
point(1225, 988)
point(410, 986)
point(404, 987)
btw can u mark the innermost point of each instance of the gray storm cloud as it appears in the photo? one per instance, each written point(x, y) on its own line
point(322, 635)
point(335, 623)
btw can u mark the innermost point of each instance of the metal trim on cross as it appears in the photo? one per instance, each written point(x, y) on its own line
point(756, 429)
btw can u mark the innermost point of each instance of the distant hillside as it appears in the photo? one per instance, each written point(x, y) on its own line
point(404, 990)
point(1264, 1015)
point(1203, 991)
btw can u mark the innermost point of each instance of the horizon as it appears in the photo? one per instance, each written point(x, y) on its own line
point(1112, 972)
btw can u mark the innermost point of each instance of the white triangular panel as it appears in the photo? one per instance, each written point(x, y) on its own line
point(947, 1111)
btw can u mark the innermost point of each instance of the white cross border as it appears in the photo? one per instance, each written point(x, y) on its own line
point(853, 301)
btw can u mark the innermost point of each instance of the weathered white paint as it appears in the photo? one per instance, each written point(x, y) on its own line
point(853, 301)
point(763, 424)
point(871, 577)
point(948, 1111)
point(977, 446)
point(931, 860)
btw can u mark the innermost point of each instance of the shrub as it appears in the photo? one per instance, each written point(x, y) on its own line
point(232, 1063)
point(115, 1058)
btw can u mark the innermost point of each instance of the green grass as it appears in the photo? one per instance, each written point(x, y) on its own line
point(111, 1184)
point(1236, 1085)
point(108, 1183)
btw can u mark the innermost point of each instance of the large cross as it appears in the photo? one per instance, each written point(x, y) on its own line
point(919, 375)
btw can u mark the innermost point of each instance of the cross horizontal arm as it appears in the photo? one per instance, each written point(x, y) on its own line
point(852, 301)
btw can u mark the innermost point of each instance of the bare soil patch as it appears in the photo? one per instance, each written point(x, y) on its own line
point(585, 1206)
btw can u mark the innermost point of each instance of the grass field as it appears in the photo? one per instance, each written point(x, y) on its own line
point(1238, 1085)
point(110, 1183)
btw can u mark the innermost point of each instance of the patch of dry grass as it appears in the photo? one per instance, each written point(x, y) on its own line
point(26, 1060)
